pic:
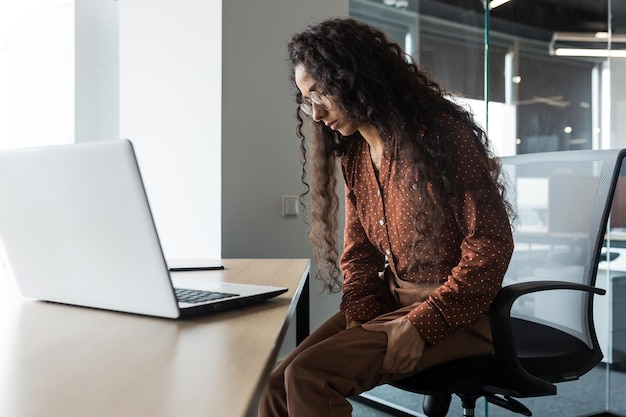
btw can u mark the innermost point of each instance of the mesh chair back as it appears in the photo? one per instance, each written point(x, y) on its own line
point(562, 200)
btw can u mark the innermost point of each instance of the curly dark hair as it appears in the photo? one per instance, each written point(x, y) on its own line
point(373, 81)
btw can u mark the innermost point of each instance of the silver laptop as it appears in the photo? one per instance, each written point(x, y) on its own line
point(77, 229)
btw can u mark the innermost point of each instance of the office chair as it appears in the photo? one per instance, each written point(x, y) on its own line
point(542, 318)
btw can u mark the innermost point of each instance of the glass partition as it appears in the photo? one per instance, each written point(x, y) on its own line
point(612, 273)
point(540, 75)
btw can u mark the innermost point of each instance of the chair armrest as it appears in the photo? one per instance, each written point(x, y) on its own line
point(502, 331)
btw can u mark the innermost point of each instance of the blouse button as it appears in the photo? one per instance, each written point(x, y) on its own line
point(388, 252)
point(414, 186)
point(381, 221)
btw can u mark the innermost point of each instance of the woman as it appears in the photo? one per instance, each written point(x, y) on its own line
point(427, 237)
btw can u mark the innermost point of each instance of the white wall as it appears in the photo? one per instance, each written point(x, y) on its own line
point(96, 72)
point(58, 72)
point(37, 55)
point(170, 98)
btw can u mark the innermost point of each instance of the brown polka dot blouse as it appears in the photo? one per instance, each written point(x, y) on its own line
point(379, 228)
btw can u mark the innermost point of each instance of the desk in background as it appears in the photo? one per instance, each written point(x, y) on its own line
point(60, 361)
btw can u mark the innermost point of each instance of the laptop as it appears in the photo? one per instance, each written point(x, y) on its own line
point(77, 229)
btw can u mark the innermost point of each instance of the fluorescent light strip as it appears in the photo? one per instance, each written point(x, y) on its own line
point(589, 37)
point(596, 53)
point(497, 3)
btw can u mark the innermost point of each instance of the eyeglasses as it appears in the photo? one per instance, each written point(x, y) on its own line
point(317, 99)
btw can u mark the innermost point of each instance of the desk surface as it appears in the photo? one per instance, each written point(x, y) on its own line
point(58, 360)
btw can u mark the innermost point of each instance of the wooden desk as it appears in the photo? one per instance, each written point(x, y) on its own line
point(65, 361)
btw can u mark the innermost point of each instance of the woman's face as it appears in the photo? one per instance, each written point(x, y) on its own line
point(333, 117)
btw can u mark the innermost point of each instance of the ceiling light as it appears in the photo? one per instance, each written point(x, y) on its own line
point(401, 4)
point(592, 53)
point(587, 44)
point(497, 3)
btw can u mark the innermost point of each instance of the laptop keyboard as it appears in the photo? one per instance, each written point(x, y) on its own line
point(197, 296)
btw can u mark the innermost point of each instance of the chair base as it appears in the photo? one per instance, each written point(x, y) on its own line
point(386, 406)
point(438, 406)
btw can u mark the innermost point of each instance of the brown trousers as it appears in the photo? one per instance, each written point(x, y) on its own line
point(334, 363)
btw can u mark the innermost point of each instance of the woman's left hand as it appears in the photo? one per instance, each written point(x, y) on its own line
point(404, 345)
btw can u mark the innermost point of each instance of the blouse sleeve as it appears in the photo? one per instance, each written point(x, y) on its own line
point(485, 250)
point(361, 263)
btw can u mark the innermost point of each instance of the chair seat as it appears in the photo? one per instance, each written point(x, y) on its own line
point(549, 353)
point(454, 376)
point(543, 351)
